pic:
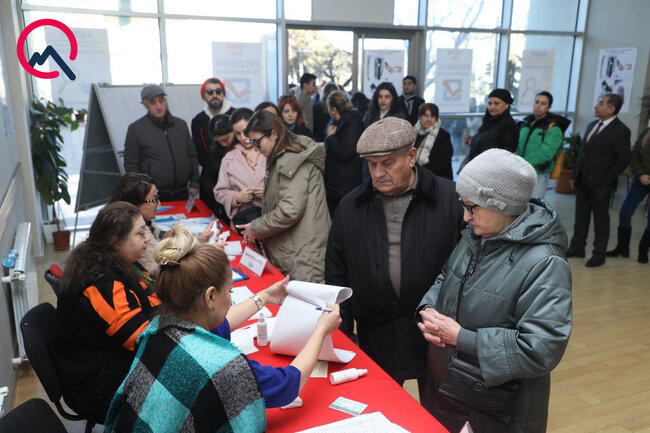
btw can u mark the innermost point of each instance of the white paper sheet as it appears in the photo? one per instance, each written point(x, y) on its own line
point(241, 294)
point(297, 319)
point(374, 422)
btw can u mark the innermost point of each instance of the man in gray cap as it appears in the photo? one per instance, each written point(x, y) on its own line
point(389, 239)
point(159, 144)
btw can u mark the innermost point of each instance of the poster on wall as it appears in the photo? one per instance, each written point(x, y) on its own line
point(93, 65)
point(380, 66)
point(241, 68)
point(453, 78)
point(536, 76)
point(615, 74)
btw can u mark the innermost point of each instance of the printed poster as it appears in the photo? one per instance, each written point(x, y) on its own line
point(453, 78)
point(536, 76)
point(93, 65)
point(380, 66)
point(241, 68)
point(615, 74)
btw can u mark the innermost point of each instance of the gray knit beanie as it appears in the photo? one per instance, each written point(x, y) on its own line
point(498, 180)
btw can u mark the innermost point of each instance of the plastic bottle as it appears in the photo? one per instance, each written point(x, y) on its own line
point(262, 337)
point(347, 375)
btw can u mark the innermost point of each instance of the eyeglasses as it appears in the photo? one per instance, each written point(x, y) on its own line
point(156, 199)
point(257, 142)
point(468, 207)
point(218, 91)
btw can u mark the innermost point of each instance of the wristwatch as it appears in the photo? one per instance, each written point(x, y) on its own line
point(258, 302)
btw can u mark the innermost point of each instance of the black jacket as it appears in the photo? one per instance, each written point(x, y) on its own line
point(441, 153)
point(500, 132)
point(605, 157)
point(342, 163)
point(412, 116)
point(162, 150)
point(357, 257)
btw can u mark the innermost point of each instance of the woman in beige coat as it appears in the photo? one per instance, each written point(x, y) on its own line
point(295, 221)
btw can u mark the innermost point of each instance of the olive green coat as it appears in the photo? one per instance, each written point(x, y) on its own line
point(295, 220)
point(640, 160)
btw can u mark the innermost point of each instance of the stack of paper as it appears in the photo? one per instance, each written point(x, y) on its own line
point(370, 423)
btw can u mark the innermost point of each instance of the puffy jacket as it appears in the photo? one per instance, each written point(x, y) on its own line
point(295, 220)
point(516, 295)
point(357, 256)
point(539, 142)
point(164, 151)
point(499, 132)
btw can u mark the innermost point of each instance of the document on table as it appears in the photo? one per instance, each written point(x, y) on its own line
point(298, 316)
point(242, 293)
point(374, 422)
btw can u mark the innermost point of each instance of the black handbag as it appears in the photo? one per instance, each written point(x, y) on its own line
point(464, 384)
point(247, 215)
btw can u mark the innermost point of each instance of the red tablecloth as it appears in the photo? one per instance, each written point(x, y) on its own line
point(378, 390)
point(200, 209)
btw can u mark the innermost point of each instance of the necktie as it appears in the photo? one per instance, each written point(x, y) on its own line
point(595, 132)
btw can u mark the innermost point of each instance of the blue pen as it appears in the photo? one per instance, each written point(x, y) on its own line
point(329, 310)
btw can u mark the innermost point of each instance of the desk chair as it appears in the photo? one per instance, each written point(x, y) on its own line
point(33, 416)
point(53, 276)
point(37, 327)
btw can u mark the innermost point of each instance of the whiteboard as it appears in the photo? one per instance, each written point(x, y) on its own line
point(111, 109)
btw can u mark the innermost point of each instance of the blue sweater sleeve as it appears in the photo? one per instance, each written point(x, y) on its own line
point(279, 385)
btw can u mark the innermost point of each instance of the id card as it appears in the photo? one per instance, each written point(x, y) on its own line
point(348, 406)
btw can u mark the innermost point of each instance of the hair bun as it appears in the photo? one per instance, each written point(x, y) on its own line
point(178, 243)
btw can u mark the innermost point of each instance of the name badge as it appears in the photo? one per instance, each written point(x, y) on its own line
point(253, 261)
point(189, 205)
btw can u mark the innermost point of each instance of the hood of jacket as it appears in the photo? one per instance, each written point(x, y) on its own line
point(288, 162)
point(561, 121)
point(541, 226)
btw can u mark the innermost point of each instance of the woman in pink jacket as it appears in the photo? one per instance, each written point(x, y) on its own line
point(240, 186)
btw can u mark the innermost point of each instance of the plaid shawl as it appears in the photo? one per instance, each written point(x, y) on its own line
point(184, 378)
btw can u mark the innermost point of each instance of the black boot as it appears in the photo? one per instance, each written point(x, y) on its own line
point(643, 247)
point(623, 245)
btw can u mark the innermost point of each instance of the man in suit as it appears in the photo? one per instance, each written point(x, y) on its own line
point(605, 152)
point(409, 99)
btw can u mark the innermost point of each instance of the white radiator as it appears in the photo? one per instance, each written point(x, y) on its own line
point(19, 281)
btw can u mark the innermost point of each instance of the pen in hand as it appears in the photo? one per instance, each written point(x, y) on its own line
point(328, 310)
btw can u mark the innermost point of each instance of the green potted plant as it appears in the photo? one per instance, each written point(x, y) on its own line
point(571, 150)
point(46, 121)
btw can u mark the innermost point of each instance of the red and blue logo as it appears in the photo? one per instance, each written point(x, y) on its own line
point(49, 51)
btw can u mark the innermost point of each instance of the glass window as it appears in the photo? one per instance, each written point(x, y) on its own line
point(484, 48)
point(223, 8)
point(485, 14)
point(543, 15)
point(150, 6)
point(325, 53)
point(245, 50)
point(299, 10)
point(548, 62)
point(406, 13)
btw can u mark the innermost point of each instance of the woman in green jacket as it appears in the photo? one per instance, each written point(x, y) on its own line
point(502, 302)
point(540, 140)
point(295, 221)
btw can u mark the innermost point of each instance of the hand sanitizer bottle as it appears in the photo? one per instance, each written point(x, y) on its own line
point(262, 337)
point(347, 375)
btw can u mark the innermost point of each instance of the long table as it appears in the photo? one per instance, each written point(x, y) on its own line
point(378, 390)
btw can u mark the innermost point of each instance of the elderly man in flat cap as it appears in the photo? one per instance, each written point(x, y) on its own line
point(389, 239)
point(159, 144)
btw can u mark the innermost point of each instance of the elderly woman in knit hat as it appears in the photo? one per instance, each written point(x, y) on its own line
point(502, 303)
point(498, 130)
